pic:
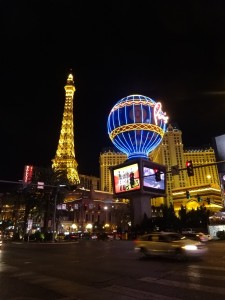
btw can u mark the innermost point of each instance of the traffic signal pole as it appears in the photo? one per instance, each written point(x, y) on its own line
point(199, 166)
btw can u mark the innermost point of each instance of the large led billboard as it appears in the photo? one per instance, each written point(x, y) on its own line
point(149, 183)
point(138, 177)
point(219, 148)
point(126, 178)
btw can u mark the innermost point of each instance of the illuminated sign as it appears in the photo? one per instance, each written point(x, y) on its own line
point(139, 176)
point(28, 173)
point(159, 114)
point(126, 178)
point(150, 182)
point(136, 125)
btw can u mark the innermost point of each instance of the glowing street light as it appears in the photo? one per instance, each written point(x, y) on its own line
point(106, 209)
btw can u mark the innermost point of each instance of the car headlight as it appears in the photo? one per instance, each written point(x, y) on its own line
point(190, 247)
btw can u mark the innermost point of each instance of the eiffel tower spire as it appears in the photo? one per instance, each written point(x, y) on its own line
point(65, 155)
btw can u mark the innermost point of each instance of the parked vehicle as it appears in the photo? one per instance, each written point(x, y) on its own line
point(103, 236)
point(71, 236)
point(169, 244)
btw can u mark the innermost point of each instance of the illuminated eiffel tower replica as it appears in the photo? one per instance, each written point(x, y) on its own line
point(65, 155)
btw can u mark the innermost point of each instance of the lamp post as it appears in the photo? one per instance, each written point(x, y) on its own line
point(106, 219)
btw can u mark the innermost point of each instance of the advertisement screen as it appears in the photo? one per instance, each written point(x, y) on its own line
point(219, 147)
point(126, 178)
point(149, 179)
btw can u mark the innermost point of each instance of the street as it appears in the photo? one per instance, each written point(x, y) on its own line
point(101, 270)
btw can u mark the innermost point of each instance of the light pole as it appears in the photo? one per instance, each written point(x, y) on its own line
point(106, 219)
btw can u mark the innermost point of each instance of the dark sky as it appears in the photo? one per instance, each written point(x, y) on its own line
point(172, 51)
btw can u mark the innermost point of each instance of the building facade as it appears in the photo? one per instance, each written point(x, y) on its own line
point(89, 182)
point(204, 185)
point(109, 157)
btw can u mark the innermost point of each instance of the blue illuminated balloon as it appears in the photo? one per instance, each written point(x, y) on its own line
point(136, 125)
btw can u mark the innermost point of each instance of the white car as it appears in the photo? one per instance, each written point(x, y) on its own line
point(204, 237)
point(199, 236)
point(169, 244)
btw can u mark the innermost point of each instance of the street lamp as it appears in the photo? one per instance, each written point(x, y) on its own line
point(106, 208)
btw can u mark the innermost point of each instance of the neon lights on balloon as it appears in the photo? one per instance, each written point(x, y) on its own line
point(136, 125)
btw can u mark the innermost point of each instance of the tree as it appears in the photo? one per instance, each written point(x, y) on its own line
point(183, 217)
point(46, 198)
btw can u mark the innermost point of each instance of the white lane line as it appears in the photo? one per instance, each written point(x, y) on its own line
point(192, 273)
point(137, 294)
point(207, 268)
point(185, 285)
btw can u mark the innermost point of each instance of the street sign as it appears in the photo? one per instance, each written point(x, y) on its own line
point(40, 185)
point(175, 170)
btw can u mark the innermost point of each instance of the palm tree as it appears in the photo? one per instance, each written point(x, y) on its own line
point(45, 198)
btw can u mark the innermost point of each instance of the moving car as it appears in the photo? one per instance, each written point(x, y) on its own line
point(198, 236)
point(169, 244)
point(186, 230)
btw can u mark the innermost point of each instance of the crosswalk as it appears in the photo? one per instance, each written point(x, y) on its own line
point(185, 282)
point(192, 282)
point(137, 294)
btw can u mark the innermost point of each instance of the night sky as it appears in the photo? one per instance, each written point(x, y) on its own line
point(170, 51)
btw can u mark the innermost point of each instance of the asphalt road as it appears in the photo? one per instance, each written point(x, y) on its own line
point(101, 270)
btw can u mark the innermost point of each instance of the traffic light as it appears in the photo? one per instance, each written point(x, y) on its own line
point(190, 169)
point(157, 175)
point(188, 195)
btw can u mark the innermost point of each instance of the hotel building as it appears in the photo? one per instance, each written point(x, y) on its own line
point(204, 187)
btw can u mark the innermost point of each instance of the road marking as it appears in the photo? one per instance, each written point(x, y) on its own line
point(184, 285)
point(6, 268)
point(137, 294)
point(207, 268)
point(192, 273)
point(69, 288)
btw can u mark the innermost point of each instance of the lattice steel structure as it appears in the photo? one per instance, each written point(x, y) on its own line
point(65, 155)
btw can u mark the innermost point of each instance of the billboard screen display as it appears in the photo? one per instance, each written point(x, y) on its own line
point(149, 180)
point(139, 177)
point(219, 147)
point(126, 178)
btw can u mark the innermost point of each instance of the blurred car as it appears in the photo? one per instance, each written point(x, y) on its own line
point(103, 236)
point(110, 236)
point(71, 237)
point(0, 244)
point(94, 236)
point(85, 236)
point(198, 236)
point(169, 244)
point(187, 230)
